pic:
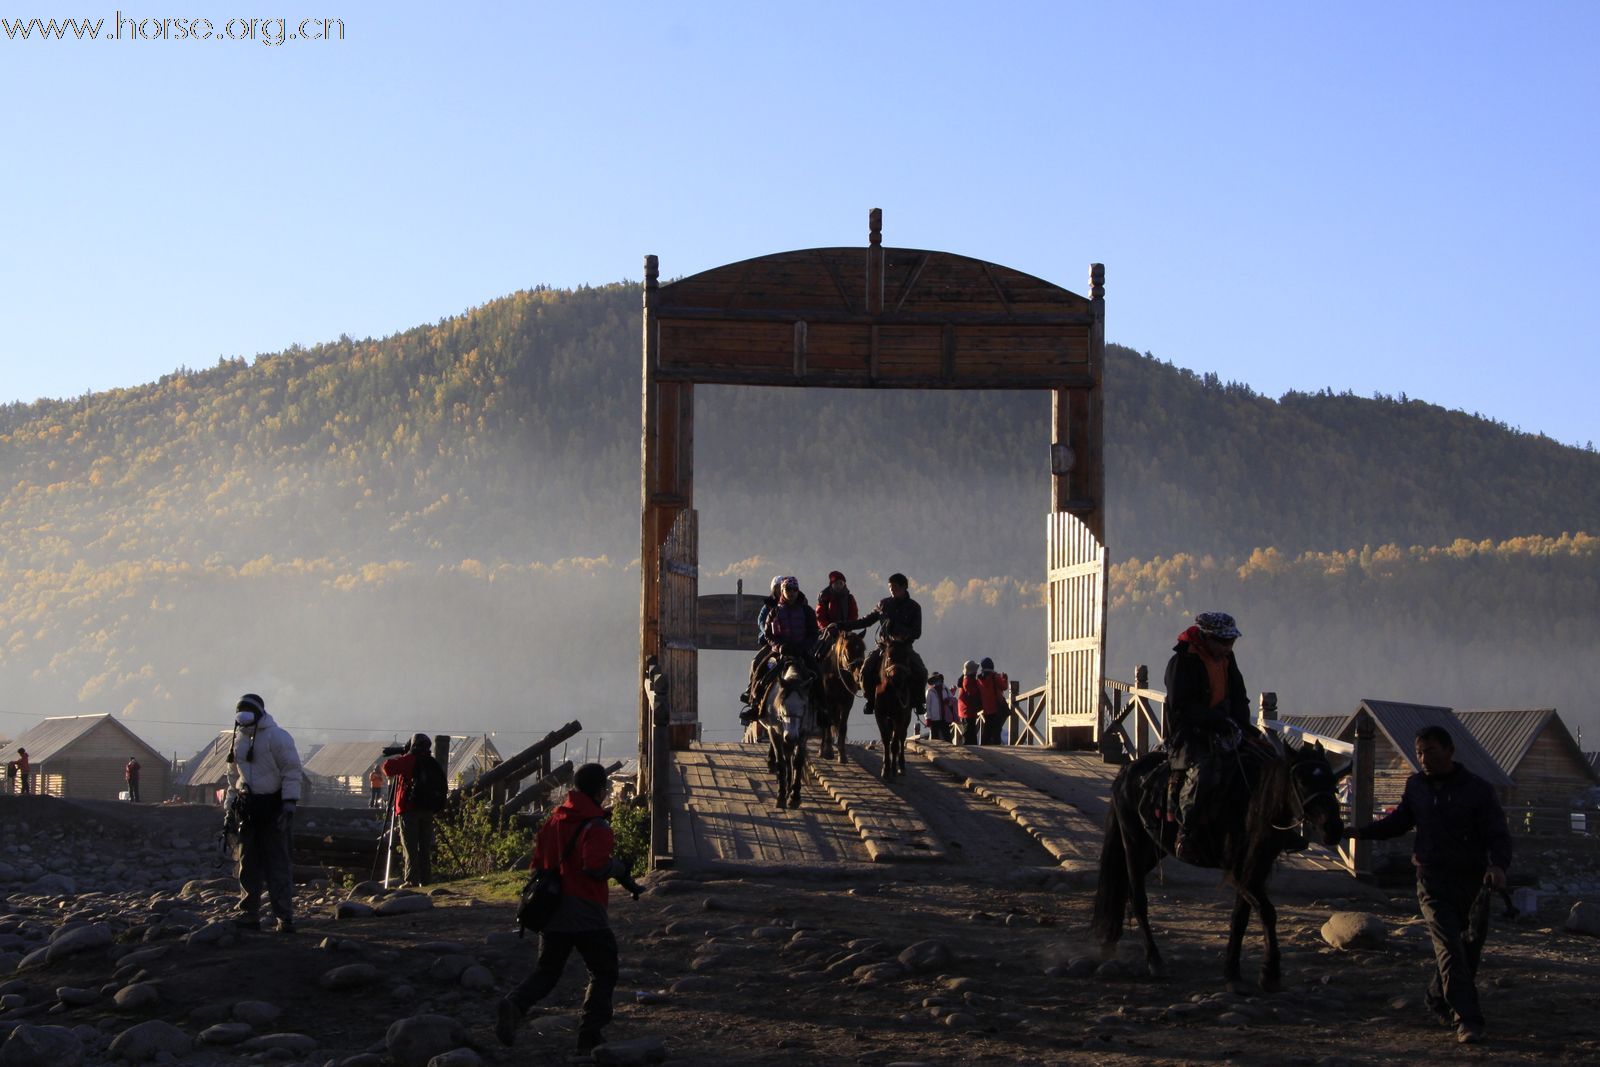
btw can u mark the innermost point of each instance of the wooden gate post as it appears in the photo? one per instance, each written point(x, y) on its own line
point(658, 700)
point(1361, 794)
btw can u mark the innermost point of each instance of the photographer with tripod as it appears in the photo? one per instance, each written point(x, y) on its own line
point(266, 778)
point(420, 792)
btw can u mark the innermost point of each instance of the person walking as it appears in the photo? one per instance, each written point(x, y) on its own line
point(578, 841)
point(1462, 851)
point(266, 775)
point(418, 795)
point(130, 775)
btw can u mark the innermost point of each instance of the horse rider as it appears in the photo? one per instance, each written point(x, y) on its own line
point(756, 665)
point(1208, 714)
point(791, 628)
point(899, 618)
point(836, 604)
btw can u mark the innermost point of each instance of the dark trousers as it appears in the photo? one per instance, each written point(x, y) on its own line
point(133, 790)
point(264, 860)
point(598, 948)
point(1458, 922)
point(939, 731)
point(416, 846)
point(989, 732)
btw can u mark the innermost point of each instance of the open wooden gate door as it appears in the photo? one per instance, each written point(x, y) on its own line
point(680, 624)
point(1076, 604)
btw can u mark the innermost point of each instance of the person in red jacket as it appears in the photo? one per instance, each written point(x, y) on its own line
point(996, 689)
point(22, 770)
point(577, 840)
point(836, 603)
point(416, 824)
point(969, 702)
point(130, 774)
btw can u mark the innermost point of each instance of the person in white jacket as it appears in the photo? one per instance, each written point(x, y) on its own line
point(266, 774)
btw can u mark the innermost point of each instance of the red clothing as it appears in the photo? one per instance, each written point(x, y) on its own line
point(994, 688)
point(402, 767)
point(831, 609)
point(969, 698)
point(592, 852)
point(130, 771)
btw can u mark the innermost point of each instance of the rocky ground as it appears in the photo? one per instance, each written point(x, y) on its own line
point(101, 964)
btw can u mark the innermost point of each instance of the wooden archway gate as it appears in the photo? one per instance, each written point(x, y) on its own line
point(880, 317)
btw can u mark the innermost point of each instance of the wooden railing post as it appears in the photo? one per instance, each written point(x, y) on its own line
point(1361, 792)
point(657, 698)
point(1141, 727)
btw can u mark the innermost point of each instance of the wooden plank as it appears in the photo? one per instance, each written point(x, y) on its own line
point(891, 828)
point(729, 373)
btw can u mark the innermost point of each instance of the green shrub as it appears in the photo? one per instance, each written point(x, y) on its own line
point(466, 843)
point(631, 823)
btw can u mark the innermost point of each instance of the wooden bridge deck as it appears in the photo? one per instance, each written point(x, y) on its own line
point(724, 811)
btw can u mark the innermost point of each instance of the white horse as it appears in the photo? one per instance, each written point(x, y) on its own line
point(788, 717)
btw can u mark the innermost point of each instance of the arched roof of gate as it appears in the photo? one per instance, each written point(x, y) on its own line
point(809, 317)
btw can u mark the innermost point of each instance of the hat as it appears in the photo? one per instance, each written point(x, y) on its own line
point(590, 778)
point(253, 704)
point(935, 677)
point(836, 576)
point(1217, 624)
point(986, 663)
point(789, 579)
point(777, 580)
point(898, 579)
point(968, 667)
point(421, 741)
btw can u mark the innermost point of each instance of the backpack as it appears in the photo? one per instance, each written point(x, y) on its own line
point(428, 787)
point(542, 895)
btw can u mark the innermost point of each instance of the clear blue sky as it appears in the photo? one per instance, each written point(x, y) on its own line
point(1372, 196)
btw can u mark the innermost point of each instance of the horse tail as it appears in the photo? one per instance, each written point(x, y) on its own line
point(1111, 891)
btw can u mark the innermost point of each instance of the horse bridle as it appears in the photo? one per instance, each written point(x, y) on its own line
point(840, 665)
point(1300, 802)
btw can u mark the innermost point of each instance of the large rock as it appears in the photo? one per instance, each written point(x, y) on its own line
point(227, 1034)
point(477, 978)
point(350, 976)
point(83, 939)
point(406, 905)
point(449, 968)
point(299, 1044)
point(258, 1013)
point(631, 1053)
point(141, 996)
point(456, 1057)
point(52, 885)
point(1347, 930)
point(926, 956)
point(352, 909)
point(1584, 918)
point(41, 1046)
point(149, 1039)
point(413, 1042)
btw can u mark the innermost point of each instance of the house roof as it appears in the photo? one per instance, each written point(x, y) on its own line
point(1508, 733)
point(1399, 722)
point(463, 750)
point(346, 759)
point(1593, 759)
point(209, 765)
point(1325, 725)
point(55, 734)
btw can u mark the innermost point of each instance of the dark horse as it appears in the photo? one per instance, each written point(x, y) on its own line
point(1273, 788)
point(789, 716)
point(841, 658)
point(892, 703)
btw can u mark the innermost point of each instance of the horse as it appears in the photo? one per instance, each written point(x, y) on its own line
point(789, 716)
point(841, 658)
point(892, 703)
point(1287, 787)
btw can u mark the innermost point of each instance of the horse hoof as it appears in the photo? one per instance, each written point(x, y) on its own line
point(1271, 984)
point(1156, 968)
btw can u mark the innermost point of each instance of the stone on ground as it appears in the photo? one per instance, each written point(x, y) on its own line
point(631, 1053)
point(1584, 918)
point(926, 956)
point(456, 1057)
point(258, 1013)
point(140, 996)
point(149, 1039)
point(41, 1046)
point(413, 1042)
point(1354, 929)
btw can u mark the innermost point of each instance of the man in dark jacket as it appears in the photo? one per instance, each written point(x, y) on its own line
point(416, 823)
point(577, 839)
point(130, 775)
point(1462, 847)
point(1207, 712)
point(900, 619)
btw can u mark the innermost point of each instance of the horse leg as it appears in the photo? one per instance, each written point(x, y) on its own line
point(1141, 858)
point(844, 721)
point(799, 772)
point(1236, 932)
point(886, 735)
point(901, 729)
point(1271, 963)
point(783, 757)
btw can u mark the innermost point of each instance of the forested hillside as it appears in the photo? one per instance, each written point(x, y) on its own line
point(446, 518)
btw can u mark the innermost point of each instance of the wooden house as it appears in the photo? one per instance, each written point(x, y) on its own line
point(1549, 775)
point(82, 757)
point(205, 774)
point(340, 768)
point(470, 756)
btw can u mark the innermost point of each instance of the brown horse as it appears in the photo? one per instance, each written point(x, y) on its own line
point(892, 704)
point(840, 659)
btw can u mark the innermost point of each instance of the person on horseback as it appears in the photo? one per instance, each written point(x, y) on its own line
point(836, 604)
point(791, 629)
point(758, 664)
point(1208, 713)
point(899, 618)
